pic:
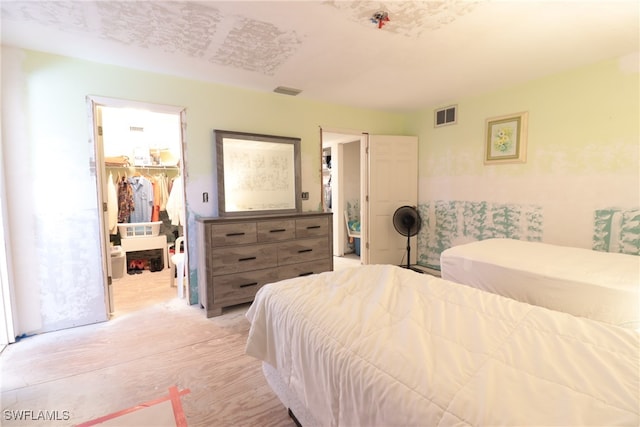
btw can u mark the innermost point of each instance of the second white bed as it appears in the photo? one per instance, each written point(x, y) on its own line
point(598, 285)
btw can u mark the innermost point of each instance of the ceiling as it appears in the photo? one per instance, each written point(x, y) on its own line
point(428, 54)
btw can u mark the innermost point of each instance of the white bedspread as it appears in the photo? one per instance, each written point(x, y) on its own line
point(384, 346)
point(599, 285)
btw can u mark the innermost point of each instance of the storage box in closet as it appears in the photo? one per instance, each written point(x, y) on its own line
point(139, 229)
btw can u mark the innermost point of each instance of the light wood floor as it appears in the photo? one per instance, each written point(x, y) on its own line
point(136, 291)
point(154, 341)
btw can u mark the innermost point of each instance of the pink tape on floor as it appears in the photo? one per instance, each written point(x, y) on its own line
point(174, 395)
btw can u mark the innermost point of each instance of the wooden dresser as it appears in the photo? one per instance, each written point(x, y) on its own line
point(237, 256)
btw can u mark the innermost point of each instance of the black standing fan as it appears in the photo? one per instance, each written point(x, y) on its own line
point(406, 221)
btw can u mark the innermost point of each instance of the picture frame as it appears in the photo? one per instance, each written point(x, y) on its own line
point(257, 174)
point(506, 139)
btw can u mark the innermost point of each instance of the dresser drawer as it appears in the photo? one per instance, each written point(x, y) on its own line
point(275, 231)
point(310, 227)
point(233, 234)
point(236, 259)
point(236, 288)
point(303, 250)
point(304, 269)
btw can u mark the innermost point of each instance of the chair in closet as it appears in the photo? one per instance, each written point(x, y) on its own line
point(353, 231)
point(178, 269)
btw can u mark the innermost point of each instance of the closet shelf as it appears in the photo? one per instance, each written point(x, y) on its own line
point(153, 167)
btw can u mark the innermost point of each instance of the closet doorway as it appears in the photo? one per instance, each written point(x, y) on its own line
point(342, 190)
point(140, 148)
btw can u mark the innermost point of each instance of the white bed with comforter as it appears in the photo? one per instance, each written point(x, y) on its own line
point(599, 285)
point(380, 345)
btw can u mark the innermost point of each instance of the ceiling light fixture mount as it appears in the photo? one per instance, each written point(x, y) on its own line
point(380, 18)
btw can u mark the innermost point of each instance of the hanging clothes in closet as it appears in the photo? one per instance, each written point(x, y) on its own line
point(155, 211)
point(142, 199)
point(175, 203)
point(163, 180)
point(112, 205)
point(139, 198)
point(160, 195)
point(125, 200)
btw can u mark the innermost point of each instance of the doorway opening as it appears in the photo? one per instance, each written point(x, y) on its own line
point(342, 192)
point(140, 148)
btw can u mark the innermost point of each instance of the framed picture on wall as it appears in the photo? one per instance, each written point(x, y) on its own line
point(506, 139)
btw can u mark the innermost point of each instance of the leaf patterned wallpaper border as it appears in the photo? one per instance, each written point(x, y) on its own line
point(449, 223)
point(617, 230)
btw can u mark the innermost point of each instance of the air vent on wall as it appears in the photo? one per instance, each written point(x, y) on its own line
point(446, 116)
point(287, 90)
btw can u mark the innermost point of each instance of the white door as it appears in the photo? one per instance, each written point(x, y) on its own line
point(392, 182)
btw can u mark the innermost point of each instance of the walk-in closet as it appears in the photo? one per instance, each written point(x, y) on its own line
point(145, 208)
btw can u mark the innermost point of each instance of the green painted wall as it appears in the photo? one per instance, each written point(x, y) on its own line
point(52, 189)
point(583, 156)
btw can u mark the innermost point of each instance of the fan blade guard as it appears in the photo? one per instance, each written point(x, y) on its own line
point(406, 221)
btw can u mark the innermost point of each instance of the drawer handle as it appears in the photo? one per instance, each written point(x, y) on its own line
point(304, 250)
point(235, 234)
point(278, 230)
point(246, 285)
point(247, 258)
point(305, 274)
point(312, 226)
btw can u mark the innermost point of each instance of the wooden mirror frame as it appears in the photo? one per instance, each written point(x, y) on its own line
point(265, 170)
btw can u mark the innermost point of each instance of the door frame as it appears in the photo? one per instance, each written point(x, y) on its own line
point(364, 198)
point(339, 226)
point(93, 103)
